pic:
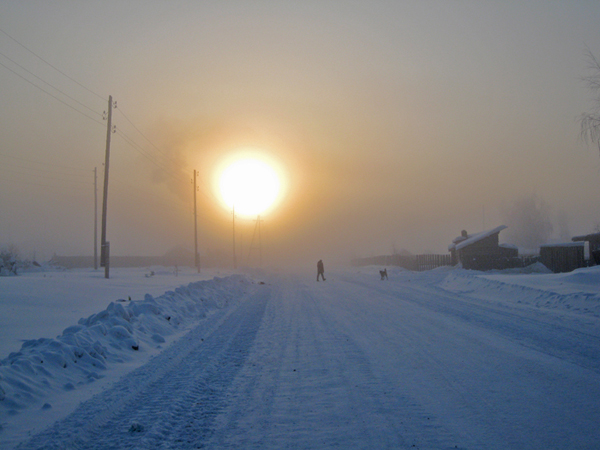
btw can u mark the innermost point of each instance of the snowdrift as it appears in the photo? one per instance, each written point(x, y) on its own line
point(116, 335)
point(573, 292)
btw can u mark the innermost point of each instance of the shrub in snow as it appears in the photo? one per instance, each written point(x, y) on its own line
point(9, 257)
point(136, 427)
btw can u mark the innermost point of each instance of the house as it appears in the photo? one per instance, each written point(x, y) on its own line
point(482, 251)
point(583, 251)
point(593, 241)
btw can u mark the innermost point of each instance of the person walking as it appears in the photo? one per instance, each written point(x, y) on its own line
point(320, 270)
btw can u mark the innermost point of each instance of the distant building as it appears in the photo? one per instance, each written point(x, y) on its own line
point(593, 241)
point(563, 257)
point(583, 251)
point(482, 251)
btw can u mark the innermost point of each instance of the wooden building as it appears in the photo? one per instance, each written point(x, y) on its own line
point(563, 257)
point(482, 251)
point(593, 241)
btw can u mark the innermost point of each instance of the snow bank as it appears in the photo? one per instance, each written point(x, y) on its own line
point(116, 335)
point(574, 292)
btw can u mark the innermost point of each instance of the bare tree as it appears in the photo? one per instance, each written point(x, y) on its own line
point(9, 257)
point(590, 121)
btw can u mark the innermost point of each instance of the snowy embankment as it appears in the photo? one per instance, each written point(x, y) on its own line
point(44, 301)
point(575, 292)
point(110, 342)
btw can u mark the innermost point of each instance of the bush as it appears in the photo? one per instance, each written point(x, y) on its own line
point(9, 258)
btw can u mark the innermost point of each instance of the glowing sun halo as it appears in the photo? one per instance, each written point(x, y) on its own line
point(250, 186)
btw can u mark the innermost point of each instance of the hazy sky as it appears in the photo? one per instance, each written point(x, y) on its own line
point(397, 123)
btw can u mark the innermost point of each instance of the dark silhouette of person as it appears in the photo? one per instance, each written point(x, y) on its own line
point(320, 270)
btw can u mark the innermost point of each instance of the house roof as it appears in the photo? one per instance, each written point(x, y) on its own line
point(458, 239)
point(476, 238)
point(564, 244)
point(587, 237)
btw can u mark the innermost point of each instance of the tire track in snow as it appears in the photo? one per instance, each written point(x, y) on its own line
point(172, 401)
point(309, 384)
point(393, 417)
point(247, 420)
point(541, 333)
point(472, 349)
point(374, 420)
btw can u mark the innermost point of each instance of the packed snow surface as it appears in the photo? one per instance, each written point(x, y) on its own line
point(442, 359)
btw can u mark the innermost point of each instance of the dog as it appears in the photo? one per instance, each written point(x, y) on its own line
point(383, 274)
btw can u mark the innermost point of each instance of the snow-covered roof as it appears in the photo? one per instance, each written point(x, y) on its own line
point(565, 244)
point(459, 239)
point(479, 236)
point(587, 237)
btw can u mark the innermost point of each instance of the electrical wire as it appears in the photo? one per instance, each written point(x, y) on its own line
point(174, 175)
point(165, 154)
point(145, 154)
point(127, 139)
point(53, 87)
point(51, 95)
point(144, 194)
point(210, 194)
point(46, 62)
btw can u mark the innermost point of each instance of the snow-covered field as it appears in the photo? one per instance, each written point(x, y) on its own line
point(434, 360)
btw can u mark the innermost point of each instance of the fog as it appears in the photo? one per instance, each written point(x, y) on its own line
point(395, 125)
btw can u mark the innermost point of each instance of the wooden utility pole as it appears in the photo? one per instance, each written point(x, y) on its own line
point(234, 258)
point(105, 249)
point(95, 218)
point(256, 229)
point(258, 221)
point(196, 256)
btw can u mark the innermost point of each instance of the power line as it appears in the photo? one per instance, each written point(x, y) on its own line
point(145, 137)
point(165, 154)
point(52, 86)
point(143, 152)
point(140, 193)
point(46, 62)
point(51, 95)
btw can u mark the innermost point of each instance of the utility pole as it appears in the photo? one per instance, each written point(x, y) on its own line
point(95, 218)
point(483, 217)
point(256, 230)
point(105, 246)
point(196, 256)
point(234, 258)
point(258, 220)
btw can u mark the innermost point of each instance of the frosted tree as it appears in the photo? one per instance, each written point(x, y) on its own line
point(590, 121)
point(529, 224)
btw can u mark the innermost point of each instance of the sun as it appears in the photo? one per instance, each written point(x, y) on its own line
point(249, 186)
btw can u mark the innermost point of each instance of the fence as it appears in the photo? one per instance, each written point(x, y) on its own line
point(428, 262)
point(415, 263)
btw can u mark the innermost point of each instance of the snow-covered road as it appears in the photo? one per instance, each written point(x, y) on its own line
point(428, 361)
